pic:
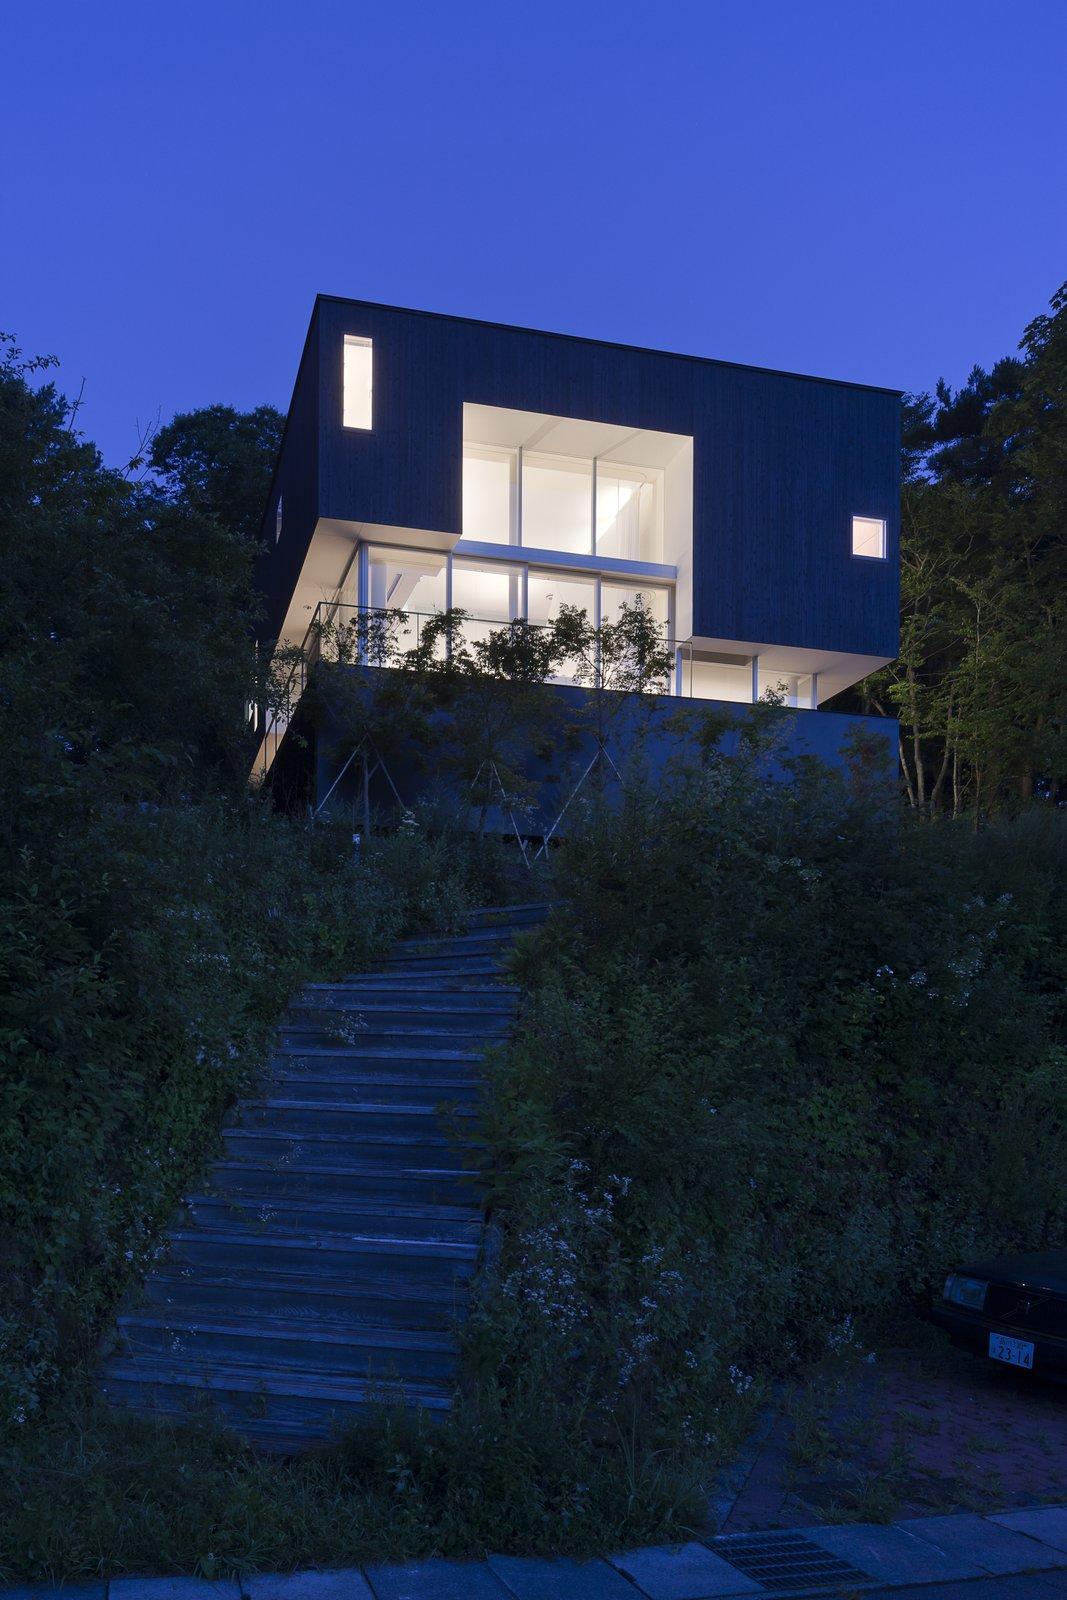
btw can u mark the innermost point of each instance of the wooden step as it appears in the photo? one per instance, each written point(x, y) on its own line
point(354, 1351)
point(395, 1303)
point(394, 1058)
point(391, 1219)
point(457, 966)
point(417, 994)
point(356, 1260)
point(301, 1034)
point(300, 1114)
point(331, 1251)
point(273, 1145)
point(380, 1088)
point(365, 1179)
point(527, 915)
point(276, 1401)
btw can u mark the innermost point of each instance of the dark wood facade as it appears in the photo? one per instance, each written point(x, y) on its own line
point(781, 462)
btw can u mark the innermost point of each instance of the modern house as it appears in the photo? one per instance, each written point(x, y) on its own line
point(432, 462)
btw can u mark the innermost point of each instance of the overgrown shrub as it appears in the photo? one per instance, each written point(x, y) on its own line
point(786, 1057)
point(783, 1058)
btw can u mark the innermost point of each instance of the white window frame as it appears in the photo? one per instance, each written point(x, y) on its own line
point(867, 555)
point(355, 404)
point(516, 455)
point(511, 557)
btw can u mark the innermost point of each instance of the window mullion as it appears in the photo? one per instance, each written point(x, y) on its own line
point(592, 511)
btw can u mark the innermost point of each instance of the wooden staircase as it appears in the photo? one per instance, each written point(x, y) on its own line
point(329, 1256)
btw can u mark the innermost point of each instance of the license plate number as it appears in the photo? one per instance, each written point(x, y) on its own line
point(1016, 1352)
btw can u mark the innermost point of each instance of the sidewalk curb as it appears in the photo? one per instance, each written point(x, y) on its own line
point(964, 1547)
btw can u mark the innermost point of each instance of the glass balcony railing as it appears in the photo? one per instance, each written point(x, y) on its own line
point(360, 636)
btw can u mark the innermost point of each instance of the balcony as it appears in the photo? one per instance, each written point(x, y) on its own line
point(456, 643)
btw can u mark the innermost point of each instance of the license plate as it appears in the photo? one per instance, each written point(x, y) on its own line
point(1016, 1352)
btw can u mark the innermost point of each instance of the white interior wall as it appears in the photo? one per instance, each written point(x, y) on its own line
point(678, 533)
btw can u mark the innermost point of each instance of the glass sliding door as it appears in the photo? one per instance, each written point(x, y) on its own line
point(412, 581)
point(419, 583)
point(613, 596)
point(551, 590)
point(557, 503)
point(491, 593)
point(625, 514)
point(489, 495)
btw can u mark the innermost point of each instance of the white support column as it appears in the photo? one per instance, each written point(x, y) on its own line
point(592, 513)
point(363, 597)
point(518, 497)
point(755, 679)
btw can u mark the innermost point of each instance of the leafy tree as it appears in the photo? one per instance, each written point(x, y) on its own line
point(980, 685)
point(218, 461)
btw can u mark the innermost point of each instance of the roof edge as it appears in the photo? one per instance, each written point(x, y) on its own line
point(609, 344)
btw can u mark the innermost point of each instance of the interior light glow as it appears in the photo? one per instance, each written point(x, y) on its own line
point(868, 537)
point(358, 382)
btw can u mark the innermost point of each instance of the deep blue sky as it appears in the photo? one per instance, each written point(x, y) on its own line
point(867, 189)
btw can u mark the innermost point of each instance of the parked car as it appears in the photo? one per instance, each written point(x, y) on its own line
point(1012, 1309)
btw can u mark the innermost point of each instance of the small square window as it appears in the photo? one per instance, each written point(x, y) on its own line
point(358, 382)
point(868, 537)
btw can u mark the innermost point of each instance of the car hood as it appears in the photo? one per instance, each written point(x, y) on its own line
point(1039, 1269)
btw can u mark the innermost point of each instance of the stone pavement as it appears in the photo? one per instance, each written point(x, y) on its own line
point(1011, 1555)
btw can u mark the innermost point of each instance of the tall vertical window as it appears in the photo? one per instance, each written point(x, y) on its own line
point(868, 537)
point(625, 518)
point(489, 500)
point(278, 520)
point(557, 503)
point(358, 382)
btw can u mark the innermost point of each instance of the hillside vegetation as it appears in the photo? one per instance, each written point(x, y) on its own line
point(786, 1051)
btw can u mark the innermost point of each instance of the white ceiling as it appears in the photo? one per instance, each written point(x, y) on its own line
point(569, 436)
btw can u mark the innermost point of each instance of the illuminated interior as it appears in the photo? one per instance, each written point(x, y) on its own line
point(868, 537)
point(358, 382)
point(559, 511)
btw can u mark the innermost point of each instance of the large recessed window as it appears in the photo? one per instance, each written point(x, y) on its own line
point(868, 537)
point(596, 490)
point(358, 382)
point(557, 503)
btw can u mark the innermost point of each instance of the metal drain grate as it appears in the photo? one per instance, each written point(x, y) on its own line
point(785, 1561)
